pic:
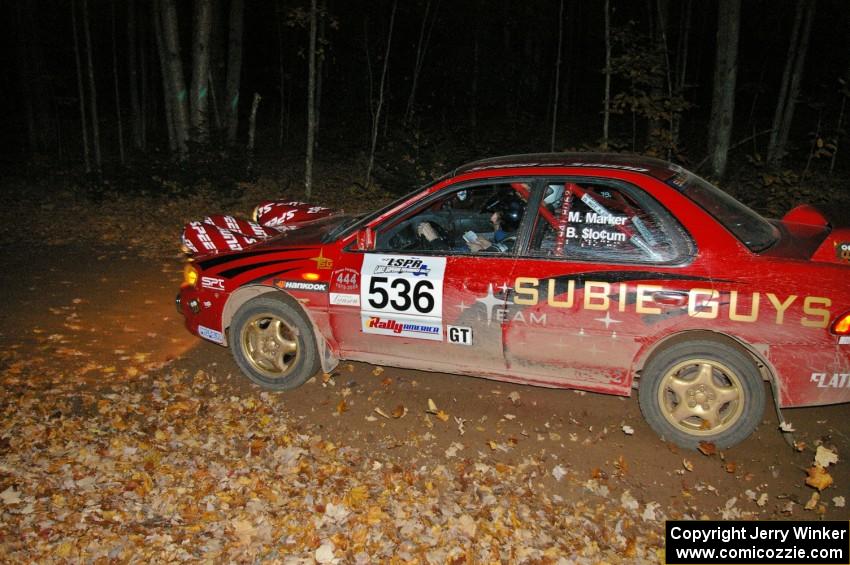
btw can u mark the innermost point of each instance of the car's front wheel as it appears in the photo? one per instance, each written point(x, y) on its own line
point(702, 391)
point(273, 344)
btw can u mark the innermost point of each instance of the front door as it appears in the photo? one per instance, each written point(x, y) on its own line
point(432, 295)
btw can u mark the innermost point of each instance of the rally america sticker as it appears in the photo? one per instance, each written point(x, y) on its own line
point(402, 326)
point(405, 292)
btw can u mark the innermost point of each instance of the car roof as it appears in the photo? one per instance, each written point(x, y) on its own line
point(661, 170)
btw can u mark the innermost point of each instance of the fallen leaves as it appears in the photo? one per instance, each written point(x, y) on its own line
point(818, 478)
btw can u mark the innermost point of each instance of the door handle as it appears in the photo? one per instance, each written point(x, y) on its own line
point(670, 297)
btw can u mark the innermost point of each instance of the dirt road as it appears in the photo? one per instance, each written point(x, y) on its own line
point(90, 337)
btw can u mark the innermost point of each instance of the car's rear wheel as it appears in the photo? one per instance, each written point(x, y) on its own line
point(702, 391)
point(273, 344)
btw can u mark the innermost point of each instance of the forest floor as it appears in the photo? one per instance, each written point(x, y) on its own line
point(125, 438)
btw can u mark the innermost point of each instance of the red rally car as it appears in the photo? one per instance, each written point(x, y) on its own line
point(585, 271)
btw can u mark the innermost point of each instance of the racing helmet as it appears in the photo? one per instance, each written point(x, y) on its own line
point(511, 214)
point(553, 195)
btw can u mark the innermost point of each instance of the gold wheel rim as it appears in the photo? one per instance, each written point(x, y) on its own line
point(270, 345)
point(701, 397)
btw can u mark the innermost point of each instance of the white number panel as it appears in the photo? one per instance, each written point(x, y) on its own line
point(402, 295)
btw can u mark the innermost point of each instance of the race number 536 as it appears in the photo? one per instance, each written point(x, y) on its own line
point(402, 284)
point(401, 295)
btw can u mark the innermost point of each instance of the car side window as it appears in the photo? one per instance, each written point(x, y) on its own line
point(606, 222)
point(479, 219)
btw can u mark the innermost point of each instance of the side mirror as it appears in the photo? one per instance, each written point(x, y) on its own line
point(366, 239)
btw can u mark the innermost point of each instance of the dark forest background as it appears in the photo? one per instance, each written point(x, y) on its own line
point(398, 92)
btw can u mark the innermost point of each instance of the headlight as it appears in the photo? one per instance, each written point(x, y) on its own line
point(190, 275)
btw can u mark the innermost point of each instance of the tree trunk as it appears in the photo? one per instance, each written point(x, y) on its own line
point(557, 76)
point(234, 68)
point(132, 67)
point(117, 89)
point(725, 75)
point(173, 67)
point(168, 110)
point(421, 49)
point(607, 112)
point(786, 81)
point(681, 69)
point(782, 126)
point(311, 102)
point(320, 63)
point(80, 90)
point(376, 116)
point(144, 104)
point(201, 70)
point(281, 138)
point(218, 63)
point(252, 128)
point(92, 90)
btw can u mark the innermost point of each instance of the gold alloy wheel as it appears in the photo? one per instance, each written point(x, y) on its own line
point(270, 345)
point(701, 397)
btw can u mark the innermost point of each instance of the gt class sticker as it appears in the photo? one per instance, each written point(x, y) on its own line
point(404, 291)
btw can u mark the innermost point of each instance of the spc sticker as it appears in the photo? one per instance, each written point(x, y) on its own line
point(405, 290)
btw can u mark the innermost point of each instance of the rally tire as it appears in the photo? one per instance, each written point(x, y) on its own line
point(273, 343)
point(702, 391)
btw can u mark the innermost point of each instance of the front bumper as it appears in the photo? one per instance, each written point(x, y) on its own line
point(201, 310)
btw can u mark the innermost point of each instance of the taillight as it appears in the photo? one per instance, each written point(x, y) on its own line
point(841, 325)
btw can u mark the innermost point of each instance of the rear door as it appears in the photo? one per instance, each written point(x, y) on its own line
point(602, 270)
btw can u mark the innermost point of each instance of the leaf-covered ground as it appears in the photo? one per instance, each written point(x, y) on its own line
point(124, 439)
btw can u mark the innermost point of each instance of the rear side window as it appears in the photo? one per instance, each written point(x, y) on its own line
point(608, 223)
point(746, 224)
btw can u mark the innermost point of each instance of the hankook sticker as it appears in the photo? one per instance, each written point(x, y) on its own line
point(302, 285)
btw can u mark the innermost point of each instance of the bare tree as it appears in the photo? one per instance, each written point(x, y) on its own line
point(791, 76)
point(281, 138)
point(321, 53)
point(156, 11)
point(92, 89)
point(234, 67)
point(725, 75)
point(311, 101)
point(80, 90)
point(607, 112)
point(173, 67)
point(681, 69)
point(133, 72)
point(201, 70)
point(557, 75)
point(421, 49)
point(376, 111)
point(117, 89)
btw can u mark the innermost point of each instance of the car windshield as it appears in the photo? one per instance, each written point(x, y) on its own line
point(352, 224)
point(747, 225)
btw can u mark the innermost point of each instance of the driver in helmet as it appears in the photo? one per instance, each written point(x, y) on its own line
point(491, 241)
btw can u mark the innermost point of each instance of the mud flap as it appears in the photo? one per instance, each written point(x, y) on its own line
point(327, 358)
